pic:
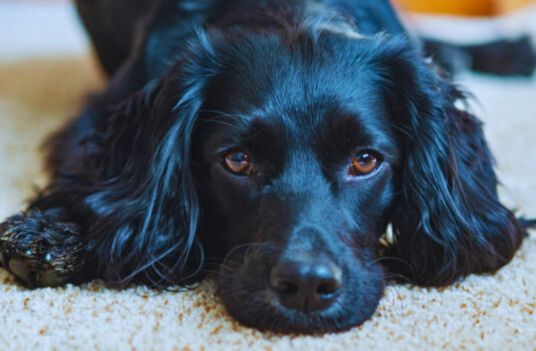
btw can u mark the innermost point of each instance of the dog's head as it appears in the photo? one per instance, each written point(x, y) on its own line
point(284, 156)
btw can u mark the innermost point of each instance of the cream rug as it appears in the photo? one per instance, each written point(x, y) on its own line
point(490, 312)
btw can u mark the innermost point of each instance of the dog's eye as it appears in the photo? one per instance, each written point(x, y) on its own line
point(239, 162)
point(364, 163)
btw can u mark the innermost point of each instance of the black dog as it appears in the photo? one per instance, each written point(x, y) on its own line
point(278, 138)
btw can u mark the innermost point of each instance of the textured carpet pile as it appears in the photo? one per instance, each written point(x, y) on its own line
point(488, 312)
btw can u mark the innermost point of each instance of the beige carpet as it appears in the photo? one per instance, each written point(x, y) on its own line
point(484, 312)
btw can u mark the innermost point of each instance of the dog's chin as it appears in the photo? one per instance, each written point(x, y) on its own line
point(248, 298)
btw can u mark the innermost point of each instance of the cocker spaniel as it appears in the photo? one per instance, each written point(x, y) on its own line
point(277, 140)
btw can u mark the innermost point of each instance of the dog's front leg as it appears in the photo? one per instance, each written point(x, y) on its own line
point(42, 249)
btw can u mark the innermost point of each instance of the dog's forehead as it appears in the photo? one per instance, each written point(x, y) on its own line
point(308, 98)
point(326, 61)
point(298, 90)
point(311, 120)
point(332, 20)
point(306, 74)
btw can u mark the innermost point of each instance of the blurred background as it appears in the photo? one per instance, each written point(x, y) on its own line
point(470, 20)
point(465, 7)
point(48, 27)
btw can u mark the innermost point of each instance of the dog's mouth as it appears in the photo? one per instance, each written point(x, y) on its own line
point(312, 305)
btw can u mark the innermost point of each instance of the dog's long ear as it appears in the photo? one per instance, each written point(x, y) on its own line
point(142, 192)
point(448, 220)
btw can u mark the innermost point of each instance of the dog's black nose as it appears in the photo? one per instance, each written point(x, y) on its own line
point(306, 284)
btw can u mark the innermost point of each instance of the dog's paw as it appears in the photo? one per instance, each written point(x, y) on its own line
point(40, 251)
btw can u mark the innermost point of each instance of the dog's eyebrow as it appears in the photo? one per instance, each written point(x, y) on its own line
point(262, 136)
point(235, 124)
point(344, 132)
point(239, 129)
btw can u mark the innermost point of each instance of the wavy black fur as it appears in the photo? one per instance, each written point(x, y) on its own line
point(302, 86)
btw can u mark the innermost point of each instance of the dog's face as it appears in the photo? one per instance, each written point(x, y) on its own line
point(284, 156)
point(296, 167)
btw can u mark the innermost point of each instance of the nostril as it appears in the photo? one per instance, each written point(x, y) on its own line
point(326, 289)
point(285, 287)
point(283, 281)
point(328, 279)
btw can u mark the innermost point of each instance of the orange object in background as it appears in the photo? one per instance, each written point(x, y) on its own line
point(504, 6)
point(463, 7)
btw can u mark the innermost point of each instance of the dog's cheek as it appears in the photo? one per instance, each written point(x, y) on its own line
point(226, 206)
point(365, 286)
point(370, 202)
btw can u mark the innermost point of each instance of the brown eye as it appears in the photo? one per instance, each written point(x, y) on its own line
point(364, 163)
point(239, 162)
